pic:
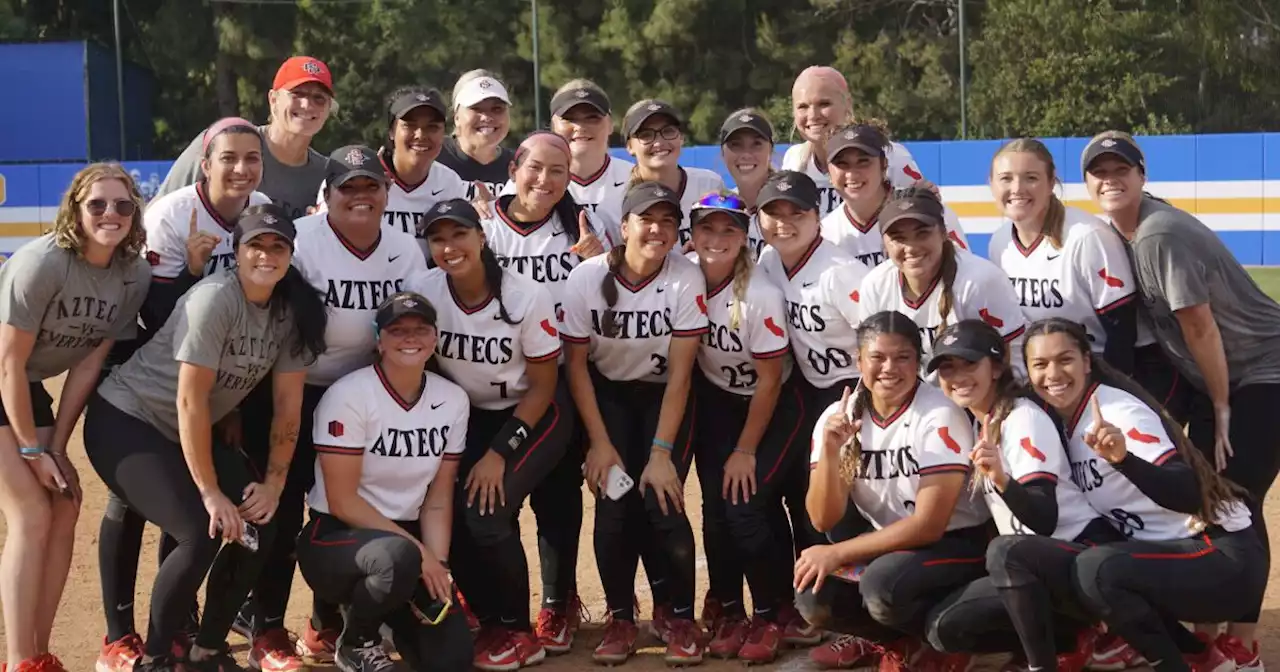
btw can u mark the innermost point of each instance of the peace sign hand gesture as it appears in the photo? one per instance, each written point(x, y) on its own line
point(840, 426)
point(588, 244)
point(986, 457)
point(200, 246)
point(1105, 438)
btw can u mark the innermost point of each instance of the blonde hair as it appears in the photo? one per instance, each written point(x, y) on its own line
point(67, 230)
point(1055, 217)
point(741, 280)
point(468, 76)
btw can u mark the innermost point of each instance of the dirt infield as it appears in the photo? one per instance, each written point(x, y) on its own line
point(78, 635)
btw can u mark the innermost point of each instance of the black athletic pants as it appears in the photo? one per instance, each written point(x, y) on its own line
point(1255, 439)
point(486, 556)
point(796, 489)
point(557, 510)
point(1140, 589)
point(896, 591)
point(741, 538)
point(974, 619)
point(149, 473)
point(373, 574)
point(622, 528)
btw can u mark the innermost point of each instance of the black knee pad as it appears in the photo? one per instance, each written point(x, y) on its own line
point(1002, 551)
point(1094, 584)
point(116, 509)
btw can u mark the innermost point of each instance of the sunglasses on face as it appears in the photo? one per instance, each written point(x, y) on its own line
point(648, 135)
point(98, 207)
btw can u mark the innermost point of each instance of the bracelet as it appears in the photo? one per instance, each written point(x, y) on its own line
point(744, 451)
point(665, 445)
point(31, 452)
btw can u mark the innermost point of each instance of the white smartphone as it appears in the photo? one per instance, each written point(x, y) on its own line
point(619, 483)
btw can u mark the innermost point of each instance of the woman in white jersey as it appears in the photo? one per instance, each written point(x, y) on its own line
point(929, 280)
point(498, 340)
point(820, 102)
point(897, 450)
point(65, 298)
point(1191, 555)
point(389, 437)
point(580, 113)
point(632, 322)
point(481, 121)
point(746, 147)
point(188, 237)
point(654, 133)
point(1023, 473)
point(1063, 261)
point(747, 435)
point(858, 166)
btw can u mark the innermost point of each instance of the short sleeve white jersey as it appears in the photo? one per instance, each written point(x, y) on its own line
point(1112, 494)
point(980, 291)
point(728, 356)
point(602, 192)
point(821, 298)
point(669, 303)
point(477, 349)
point(1085, 278)
point(402, 442)
point(352, 283)
point(167, 221)
point(1030, 450)
point(903, 172)
point(927, 435)
point(864, 241)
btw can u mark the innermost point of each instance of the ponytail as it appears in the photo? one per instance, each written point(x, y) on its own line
point(950, 265)
point(1056, 215)
point(851, 452)
point(1055, 219)
point(567, 210)
point(493, 278)
point(741, 280)
point(295, 298)
point(609, 288)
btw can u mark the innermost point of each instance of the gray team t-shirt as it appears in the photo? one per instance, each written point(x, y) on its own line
point(71, 305)
point(1181, 263)
point(293, 188)
point(213, 326)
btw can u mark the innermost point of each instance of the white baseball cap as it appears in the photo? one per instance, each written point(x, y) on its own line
point(480, 89)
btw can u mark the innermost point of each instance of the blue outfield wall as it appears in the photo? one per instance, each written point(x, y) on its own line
point(1231, 182)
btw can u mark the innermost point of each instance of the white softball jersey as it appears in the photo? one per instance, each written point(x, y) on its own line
point(728, 356)
point(864, 240)
point(352, 283)
point(402, 442)
point(602, 192)
point(903, 172)
point(648, 314)
point(167, 221)
point(477, 349)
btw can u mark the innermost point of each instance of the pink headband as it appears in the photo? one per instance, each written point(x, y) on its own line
point(219, 127)
point(542, 138)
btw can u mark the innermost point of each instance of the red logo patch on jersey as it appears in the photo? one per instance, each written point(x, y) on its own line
point(955, 238)
point(773, 327)
point(912, 173)
point(153, 258)
point(944, 433)
point(1111, 280)
point(1031, 448)
point(855, 296)
point(1140, 437)
point(990, 319)
point(702, 305)
point(546, 326)
point(560, 313)
point(335, 428)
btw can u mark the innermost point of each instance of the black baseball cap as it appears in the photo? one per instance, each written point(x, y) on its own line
point(970, 340)
point(352, 161)
point(918, 203)
point(728, 203)
point(863, 137)
point(640, 197)
point(264, 218)
point(746, 120)
point(454, 209)
point(570, 98)
point(789, 185)
point(1111, 142)
point(400, 304)
point(646, 109)
point(411, 100)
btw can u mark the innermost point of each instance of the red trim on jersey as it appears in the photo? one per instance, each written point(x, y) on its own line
point(1017, 243)
point(554, 354)
point(338, 450)
point(355, 251)
point(457, 301)
point(451, 457)
point(906, 403)
point(1114, 304)
point(522, 228)
point(683, 333)
point(819, 166)
point(795, 429)
point(773, 354)
point(390, 170)
point(688, 437)
point(924, 296)
point(1016, 333)
point(575, 339)
point(163, 281)
point(589, 180)
point(203, 194)
point(386, 385)
point(813, 247)
point(952, 561)
point(1209, 548)
point(1038, 476)
point(853, 221)
point(711, 293)
point(1084, 403)
point(644, 282)
point(555, 420)
point(1165, 456)
point(945, 469)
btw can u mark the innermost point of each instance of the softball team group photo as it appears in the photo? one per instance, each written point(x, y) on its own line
point(356, 367)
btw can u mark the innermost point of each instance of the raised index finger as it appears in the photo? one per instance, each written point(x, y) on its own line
point(845, 406)
point(193, 221)
point(1097, 413)
point(986, 424)
point(583, 229)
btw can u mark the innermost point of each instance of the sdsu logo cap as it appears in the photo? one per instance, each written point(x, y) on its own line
point(791, 186)
point(570, 98)
point(301, 70)
point(746, 120)
point(970, 340)
point(863, 137)
point(1117, 144)
point(455, 210)
point(352, 161)
point(401, 304)
point(645, 195)
point(264, 218)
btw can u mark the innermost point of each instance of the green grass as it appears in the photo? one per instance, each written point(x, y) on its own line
point(1268, 279)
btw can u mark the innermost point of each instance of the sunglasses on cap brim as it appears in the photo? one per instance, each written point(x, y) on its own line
point(727, 202)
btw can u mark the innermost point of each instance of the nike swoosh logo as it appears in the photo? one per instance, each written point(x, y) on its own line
point(435, 406)
point(1055, 256)
point(618, 184)
point(129, 282)
point(806, 284)
point(557, 233)
point(392, 259)
point(122, 607)
point(661, 290)
point(689, 650)
point(437, 193)
point(503, 655)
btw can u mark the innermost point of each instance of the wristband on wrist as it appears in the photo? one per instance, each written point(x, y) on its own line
point(664, 445)
point(31, 452)
point(509, 439)
point(744, 451)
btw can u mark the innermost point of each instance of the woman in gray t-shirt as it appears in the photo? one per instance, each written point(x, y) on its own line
point(65, 297)
point(149, 434)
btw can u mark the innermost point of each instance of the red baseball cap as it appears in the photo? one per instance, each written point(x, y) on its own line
point(300, 70)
